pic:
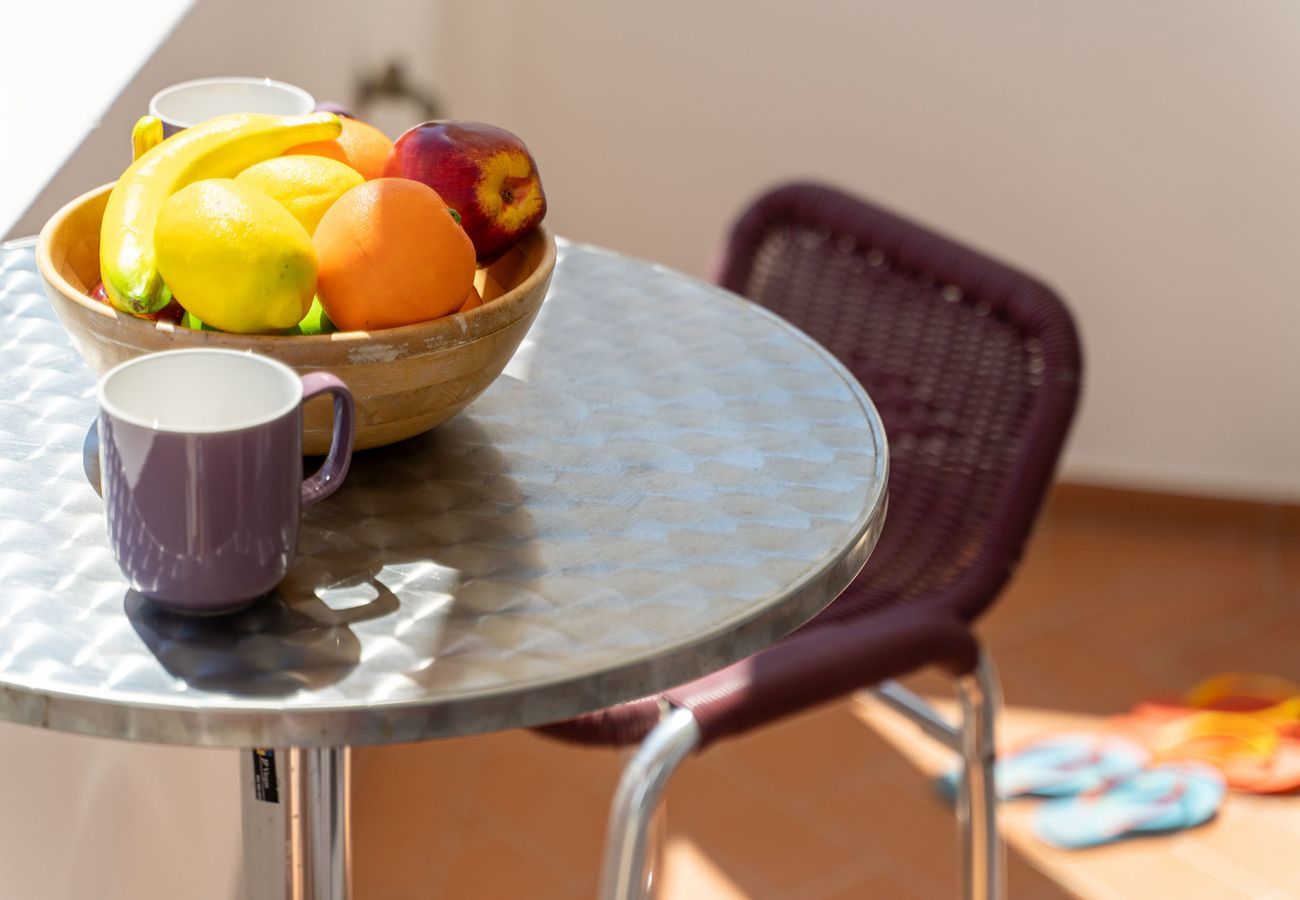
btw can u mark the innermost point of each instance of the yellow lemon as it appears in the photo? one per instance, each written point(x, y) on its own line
point(240, 260)
point(306, 185)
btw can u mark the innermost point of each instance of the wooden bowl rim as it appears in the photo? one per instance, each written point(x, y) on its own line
point(419, 331)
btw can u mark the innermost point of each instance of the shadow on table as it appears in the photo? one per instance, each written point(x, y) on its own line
point(271, 648)
point(388, 560)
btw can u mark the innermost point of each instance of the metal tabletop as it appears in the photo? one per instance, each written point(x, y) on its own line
point(665, 479)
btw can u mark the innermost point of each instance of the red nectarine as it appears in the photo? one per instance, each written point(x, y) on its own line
point(483, 172)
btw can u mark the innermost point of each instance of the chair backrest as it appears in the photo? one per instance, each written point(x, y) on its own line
point(975, 369)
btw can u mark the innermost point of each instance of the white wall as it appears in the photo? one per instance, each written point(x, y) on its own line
point(1141, 157)
point(84, 818)
point(47, 118)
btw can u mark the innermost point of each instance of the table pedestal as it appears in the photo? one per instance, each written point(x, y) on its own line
point(297, 844)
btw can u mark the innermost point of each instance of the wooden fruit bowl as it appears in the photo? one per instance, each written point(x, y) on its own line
point(405, 380)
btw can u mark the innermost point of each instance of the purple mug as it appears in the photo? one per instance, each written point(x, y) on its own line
point(201, 459)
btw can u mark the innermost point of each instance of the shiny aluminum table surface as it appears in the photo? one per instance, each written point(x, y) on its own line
point(664, 480)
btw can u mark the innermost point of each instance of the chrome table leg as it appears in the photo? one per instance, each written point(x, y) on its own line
point(297, 842)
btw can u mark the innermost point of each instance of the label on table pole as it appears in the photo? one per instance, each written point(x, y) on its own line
point(265, 783)
point(268, 833)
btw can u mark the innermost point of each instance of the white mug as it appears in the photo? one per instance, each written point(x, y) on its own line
point(192, 102)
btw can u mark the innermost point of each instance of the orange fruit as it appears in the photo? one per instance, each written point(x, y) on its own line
point(363, 147)
point(390, 253)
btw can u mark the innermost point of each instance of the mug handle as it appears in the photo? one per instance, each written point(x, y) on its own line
point(335, 468)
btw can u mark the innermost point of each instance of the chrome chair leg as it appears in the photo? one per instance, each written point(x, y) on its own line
point(656, 850)
point(639, 791)
point(623, 871)
point(977, 800)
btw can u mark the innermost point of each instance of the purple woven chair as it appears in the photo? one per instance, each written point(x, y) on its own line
point(975, 369)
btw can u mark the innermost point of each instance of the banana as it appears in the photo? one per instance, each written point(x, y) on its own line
point(218, 148)
point(147, 134)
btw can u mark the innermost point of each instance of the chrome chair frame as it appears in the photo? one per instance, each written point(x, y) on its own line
point(625, 873)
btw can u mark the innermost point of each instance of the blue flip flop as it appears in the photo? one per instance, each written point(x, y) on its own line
point(1163, 799)
point(1062, 765)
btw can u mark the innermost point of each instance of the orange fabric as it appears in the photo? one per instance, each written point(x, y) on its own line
point(1257, 751)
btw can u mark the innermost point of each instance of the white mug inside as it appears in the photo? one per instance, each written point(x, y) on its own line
point(200, 391)
point(192, 102)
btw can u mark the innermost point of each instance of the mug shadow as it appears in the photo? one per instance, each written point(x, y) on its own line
point(411, 525)
point(269, 648)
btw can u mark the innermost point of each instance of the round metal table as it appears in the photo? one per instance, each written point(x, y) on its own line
point(665, 479)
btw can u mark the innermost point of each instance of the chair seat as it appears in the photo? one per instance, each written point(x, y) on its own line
point(812, 666)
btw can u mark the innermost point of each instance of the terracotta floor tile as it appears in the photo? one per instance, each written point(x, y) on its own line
point(410, 802)
point(1271, 645)
point(1286, 554)
point(494, 870)
point(688, 872)
point(875, 885)
point(1160, 517)
point(542, 806)
point(1057, 584)
point(1156, 594)
point(756, 844)
point(1172, 618)
point(581, 891)
point(1129, 869)
point(505, 743)
point(779, 762)
point(913, 837)
point(1282, 813)
point(597, 769)
point(913, 832)
point(1061, 671)
point(1252, 845)
point(1025, 881)
point(931, 682)
point(925, 757)
point(1287, 568)
point(434, 766)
